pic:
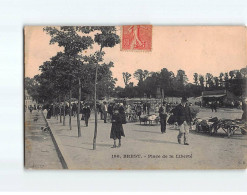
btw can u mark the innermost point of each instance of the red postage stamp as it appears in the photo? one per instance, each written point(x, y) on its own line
point(136, 38)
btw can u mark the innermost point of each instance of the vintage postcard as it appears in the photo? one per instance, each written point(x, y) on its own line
point(135, 97)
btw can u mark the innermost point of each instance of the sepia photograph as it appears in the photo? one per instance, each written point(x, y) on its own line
point(135, 97)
